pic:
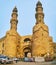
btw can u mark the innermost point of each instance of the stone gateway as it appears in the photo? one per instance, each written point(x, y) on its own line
point(37, 44)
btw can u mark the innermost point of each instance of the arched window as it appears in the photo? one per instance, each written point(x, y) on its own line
point(27, 40)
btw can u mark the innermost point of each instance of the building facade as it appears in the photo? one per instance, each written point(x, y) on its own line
point(37, 44)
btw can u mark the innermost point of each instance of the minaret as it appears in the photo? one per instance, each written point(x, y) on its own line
point(41, 43)
point(39, 13)
point(12, 39)
point(14, 20)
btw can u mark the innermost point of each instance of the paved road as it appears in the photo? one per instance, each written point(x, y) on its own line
point(36, 63)
point(32, 63)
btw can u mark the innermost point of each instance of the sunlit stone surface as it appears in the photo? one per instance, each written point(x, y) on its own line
point(37, 44)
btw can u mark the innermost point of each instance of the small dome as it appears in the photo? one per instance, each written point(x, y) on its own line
point(38, 3)
point(15, 10)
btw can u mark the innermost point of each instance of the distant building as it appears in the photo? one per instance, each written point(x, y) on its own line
point(37, 44)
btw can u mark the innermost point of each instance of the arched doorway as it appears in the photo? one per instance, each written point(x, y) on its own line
point(25, 54)
point(26, 51)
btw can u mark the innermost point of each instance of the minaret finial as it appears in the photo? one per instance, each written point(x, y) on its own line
point(15, 9)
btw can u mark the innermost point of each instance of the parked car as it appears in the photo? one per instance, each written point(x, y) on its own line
point(39, 59)
point(9, 61)
point(16, 59)
point(28, 59)
point(48, 58)
point(5, 59)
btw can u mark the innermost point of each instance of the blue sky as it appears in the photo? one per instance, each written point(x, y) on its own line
point(26, 16)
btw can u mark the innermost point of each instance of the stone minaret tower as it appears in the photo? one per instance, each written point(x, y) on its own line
point(39, 13)
point(41, 41)
point(14, 20)
point(12, 39)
